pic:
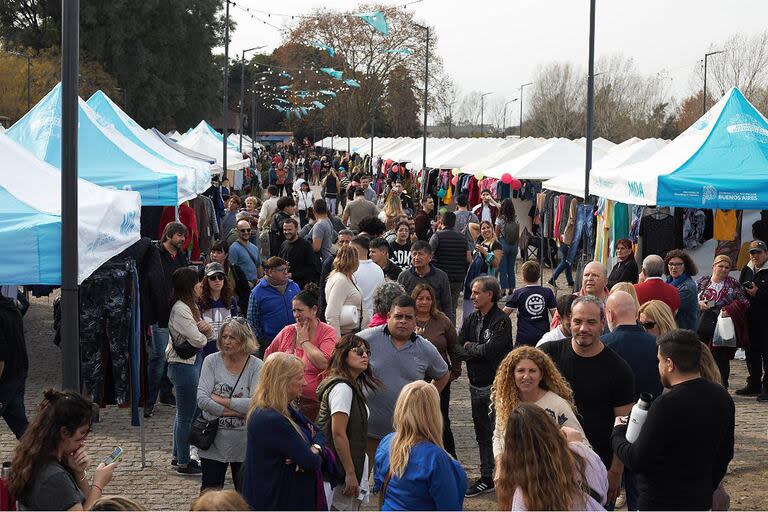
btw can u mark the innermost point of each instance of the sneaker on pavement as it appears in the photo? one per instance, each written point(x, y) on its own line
point(762, 397)
point(193, 469)
point(480, 486)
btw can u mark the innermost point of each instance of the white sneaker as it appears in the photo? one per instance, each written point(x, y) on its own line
point(193, 453)
point(740, 355)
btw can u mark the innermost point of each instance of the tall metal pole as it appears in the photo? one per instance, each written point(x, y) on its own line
point(504, 121)
point(704, 99)
point(482, 108)
point(225, 107)
point(242, 95)
point(70, 329)
point(520, 127)
point(372, 132)
point(590, 99)
point(426, 98)
point(253, 119)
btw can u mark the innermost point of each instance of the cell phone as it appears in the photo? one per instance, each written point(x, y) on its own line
point(116, 455)
point(749, 285)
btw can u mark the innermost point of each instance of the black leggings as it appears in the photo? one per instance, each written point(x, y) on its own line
point(214, 473)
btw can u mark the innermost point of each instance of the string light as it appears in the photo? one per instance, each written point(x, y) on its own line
point(316, 17)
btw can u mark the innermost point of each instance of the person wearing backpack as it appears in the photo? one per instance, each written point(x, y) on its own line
point(508, 234)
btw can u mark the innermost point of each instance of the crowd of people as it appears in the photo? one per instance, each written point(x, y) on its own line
point(320, 338)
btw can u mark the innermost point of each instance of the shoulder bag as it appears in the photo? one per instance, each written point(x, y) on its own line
point(184, 349)
point(204, 431)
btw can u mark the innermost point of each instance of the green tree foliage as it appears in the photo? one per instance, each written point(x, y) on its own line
point(159, 51)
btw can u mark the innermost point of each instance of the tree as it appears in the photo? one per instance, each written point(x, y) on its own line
point(402, 106)
point(689, 111)
point(159, 51)
point(447, 96)
point(556, 105)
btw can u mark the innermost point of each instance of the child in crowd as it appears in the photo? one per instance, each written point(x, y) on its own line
point(534, 304)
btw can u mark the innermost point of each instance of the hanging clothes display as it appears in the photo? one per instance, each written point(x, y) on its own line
point(105, 324)
point(725, 224)
point(582, 229)
point(188, 218)
point(657, 228)
point(634, 229)
point(619, 228)
point(603, 223)
point(729, 247)
point(694, 224)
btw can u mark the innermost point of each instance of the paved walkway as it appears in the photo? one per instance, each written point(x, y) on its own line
point(158, 487)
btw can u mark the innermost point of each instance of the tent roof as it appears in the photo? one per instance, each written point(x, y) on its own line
point(105, 157)
point(186, 151)
point(202, 140)
point(30, 220)
point(547, 161)
point(572, 181)
point(466, 155)
point(721, 161)
point(111, 114)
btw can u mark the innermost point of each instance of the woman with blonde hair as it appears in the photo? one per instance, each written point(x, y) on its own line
point(227, 383)
point(489, 249)
point(391, 211)
point(117, 503)
point(344, 302)
point(528, 375)
point(412, 470)
point(283, 453)
point(546, 468)
point(656, 318)
point(624, 286)
point(219, 500)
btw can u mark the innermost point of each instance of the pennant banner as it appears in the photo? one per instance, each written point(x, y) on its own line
point(332, 72)
point(404, 51)
point(284, 87)
point(376, 20)
point(321, 46)
point(318, 104)
point(329, 93)
point(284, 74)
point(352, 83)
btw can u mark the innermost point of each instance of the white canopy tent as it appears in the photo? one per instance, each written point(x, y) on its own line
point(200, 139)
point(547, 161)
point(467, 155)
point(572, 181)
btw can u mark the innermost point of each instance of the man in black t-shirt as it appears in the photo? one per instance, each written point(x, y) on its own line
point(534, 304)
point(400, 247)
point(602, 382)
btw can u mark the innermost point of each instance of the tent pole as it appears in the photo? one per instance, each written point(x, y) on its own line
point(70, 330)
point(225, 107)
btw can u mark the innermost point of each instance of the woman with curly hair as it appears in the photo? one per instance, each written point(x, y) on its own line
point(528, 375)
point(548, 468)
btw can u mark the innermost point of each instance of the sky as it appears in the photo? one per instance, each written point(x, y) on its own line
point(496, 45)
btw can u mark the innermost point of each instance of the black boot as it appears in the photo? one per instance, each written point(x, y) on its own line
point(749, 390)
point(763, 396)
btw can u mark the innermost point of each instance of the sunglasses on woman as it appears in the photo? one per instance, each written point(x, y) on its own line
point(216, 277)
point(648, 325)
point(361, 350)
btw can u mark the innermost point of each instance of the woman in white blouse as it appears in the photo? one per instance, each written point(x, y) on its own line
point(344, 302)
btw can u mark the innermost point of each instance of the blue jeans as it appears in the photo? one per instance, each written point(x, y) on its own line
point(507, 266)
point(583, 228)
point(184, 378)
point(564, 265)
point(156, 366)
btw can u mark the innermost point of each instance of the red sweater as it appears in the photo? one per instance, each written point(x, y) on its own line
point(656, 289)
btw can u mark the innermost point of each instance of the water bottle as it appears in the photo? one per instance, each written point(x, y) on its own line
point(637, 416)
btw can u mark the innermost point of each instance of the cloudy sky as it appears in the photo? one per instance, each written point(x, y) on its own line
point(495, 45)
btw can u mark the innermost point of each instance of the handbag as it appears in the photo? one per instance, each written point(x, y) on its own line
point(707, 324)
point(184, 349)
point(204, 431)
point(725, 333)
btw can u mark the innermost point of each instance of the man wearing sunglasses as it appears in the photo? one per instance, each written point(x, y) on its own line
point(245, 254)
point(270, 307)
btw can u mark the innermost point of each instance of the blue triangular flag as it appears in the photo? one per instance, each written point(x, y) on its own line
point(321, 46)
point(376, 20)
point(318, 104)
point(352, 83)
point(332, 72)
point(328, 93)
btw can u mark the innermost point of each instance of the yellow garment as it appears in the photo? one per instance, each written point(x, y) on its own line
point(743, 256)
point(725, 224)
point(448, 195)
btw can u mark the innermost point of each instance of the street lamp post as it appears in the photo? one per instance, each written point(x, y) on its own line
point(426, 96)
point(590, 101)
point(242, 94)
point(704, 100)
point(225, 107)
point(520, 128)
point(482, 105)
point(504, 120)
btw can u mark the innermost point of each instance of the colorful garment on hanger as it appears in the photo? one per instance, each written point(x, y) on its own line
point(725, 225)
point(731, 247)
point(619, 225)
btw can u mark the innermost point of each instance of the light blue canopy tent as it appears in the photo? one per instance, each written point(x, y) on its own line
point(105, 157)
point(30, 220)
point(116, 118)
point(721, 161)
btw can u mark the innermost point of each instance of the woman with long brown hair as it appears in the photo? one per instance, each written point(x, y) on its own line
point(217, 302)
point(546, 468)
point(413, 471)
point(50, 462)
point(185, 325)
point(343, 415)
point(438, 329)
point(528, 375)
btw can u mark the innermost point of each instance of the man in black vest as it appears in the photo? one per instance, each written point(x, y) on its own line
point(451, 254)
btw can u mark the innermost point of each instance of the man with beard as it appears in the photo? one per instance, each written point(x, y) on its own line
point(682, 452)
point(244, 254)
point(299, 254)
point(602, 382)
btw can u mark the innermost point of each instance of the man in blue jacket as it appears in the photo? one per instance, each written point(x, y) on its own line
point(269, 307)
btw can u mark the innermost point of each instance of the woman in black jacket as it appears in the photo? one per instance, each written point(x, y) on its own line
point(625, 269)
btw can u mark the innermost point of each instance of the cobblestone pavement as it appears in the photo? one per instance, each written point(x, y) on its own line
point(158, 487)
